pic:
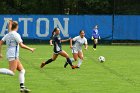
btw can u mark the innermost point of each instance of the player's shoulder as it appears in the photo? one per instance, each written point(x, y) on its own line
point(15, 33)
point(85, 38)
point(4, 37)
point(77, 37)
point(12, 32)
point(55, 35)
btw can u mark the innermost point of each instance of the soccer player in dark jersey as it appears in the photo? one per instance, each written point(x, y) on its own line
point(58, 49)
point(95, 36)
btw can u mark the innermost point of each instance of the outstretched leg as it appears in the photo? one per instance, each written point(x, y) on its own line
point(64, 54)
point(49, 60)
point(75, 57)
point(6, 71)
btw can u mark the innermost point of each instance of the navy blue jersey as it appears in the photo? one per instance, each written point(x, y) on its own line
point(57, 43)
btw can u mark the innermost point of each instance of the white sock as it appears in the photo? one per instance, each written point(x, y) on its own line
point(22, 76)
point(6, 72)
point(72, 59)
point(79, 62)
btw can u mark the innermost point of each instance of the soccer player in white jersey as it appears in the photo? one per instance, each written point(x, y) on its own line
point(13, 40)
point(77, 48)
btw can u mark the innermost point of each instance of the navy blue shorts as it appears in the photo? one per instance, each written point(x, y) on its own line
point(57, 52)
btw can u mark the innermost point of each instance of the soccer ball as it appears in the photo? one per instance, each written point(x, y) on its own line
point(101, 59)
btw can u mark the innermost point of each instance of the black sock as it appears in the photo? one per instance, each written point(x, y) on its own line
point(65, 65)
point(48, 61)
point(94, 45)
point(69, 61)
point(21, 85)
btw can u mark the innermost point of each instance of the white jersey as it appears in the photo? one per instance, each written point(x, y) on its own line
point(79, 42)
point(12, 41)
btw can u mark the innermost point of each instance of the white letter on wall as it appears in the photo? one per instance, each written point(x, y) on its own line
point(25, 20)
point(58, 24)
point(39, 20)
point(6, 20)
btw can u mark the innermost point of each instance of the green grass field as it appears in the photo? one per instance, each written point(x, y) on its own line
point(119, 74)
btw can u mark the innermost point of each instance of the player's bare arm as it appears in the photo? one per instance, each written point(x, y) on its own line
point(1, 42)
point(26, 47)
point(66, 40)
point(71, 43)
point(10, 25)
point(86, 46)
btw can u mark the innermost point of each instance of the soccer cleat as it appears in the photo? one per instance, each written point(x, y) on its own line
point(42, 65)
point(65, 65)
point(24, 90)
point(77, 67)
point(73, 67)
point(94, 49)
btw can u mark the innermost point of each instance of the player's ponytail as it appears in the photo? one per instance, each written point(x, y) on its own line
point(53, 32)
point(14, 25)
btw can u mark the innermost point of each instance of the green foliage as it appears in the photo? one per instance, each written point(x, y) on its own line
point(69, 6)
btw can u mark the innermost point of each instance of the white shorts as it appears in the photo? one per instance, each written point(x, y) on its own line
point(11, 58)
point(74, 50)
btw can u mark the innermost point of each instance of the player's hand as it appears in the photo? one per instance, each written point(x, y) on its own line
point(92, 38)
point(10, 21)
point(32, 49)
point(1, 56)
point(51, 44)
point(69, 38)
point(99, 37)
point(71, 47)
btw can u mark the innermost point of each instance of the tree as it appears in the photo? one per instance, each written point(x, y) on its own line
point(70, 6)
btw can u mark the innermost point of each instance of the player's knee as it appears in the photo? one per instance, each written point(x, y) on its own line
point(22, 71)
point(53, 59)
point(12, 73)
point(82, 58)
point(75, 59)
point(95, 42)
point(67, 56)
